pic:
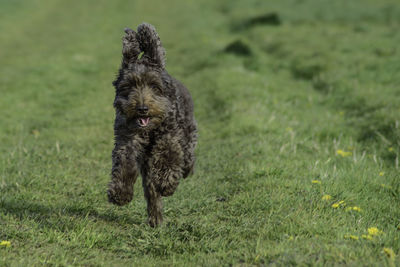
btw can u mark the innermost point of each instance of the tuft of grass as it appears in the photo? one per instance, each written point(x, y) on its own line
point(238, 47)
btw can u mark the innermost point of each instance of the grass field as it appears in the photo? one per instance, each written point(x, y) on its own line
point(298, 106)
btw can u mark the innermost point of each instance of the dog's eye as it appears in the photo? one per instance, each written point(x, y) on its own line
point(156, 88)
point(124, 92)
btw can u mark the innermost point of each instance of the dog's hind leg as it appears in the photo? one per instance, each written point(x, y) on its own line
point(161, 174)
point(154, 202)
point(188, 148)
point(123, 175)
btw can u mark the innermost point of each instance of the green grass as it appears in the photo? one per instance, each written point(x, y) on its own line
point(279, 87)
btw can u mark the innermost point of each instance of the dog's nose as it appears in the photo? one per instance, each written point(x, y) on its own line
point(142, 109)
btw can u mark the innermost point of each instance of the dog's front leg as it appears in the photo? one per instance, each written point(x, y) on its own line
point(166, 164)
point(123, 174)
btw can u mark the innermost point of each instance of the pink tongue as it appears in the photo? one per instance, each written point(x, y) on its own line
point(144, 121)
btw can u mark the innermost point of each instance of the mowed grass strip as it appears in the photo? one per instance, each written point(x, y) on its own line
point(297, 105)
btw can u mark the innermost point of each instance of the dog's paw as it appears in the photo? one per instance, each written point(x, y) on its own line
point(119, 197)
point(155, 221)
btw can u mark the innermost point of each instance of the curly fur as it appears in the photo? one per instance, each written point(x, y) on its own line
point(155, 130)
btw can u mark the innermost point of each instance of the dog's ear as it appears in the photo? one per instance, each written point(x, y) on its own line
point(130, 47)
point(130, 53)
point(150, 44)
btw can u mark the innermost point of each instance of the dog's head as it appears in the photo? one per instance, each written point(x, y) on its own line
point(141, 96)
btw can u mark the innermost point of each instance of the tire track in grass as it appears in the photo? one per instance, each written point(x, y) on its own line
point(372, 122)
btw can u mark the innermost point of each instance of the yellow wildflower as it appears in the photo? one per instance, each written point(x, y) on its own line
point(326, 197)
point(391, 149)
point(368, 237)
point(316, 182)
point(389, 253)
point(355, 208)
point(5, 243)
point(35, 133)
point(374, 231)
point(338, 204)
point(386, 186)
point(354, 237)
point(343, 153)
point(381, 173)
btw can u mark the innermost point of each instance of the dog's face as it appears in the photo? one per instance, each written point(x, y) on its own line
point(140, 98)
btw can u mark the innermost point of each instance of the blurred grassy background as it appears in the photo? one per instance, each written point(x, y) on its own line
point(286, 93)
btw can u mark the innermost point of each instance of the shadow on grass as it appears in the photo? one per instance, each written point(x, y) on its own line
point(62, 217)
point(268, 19)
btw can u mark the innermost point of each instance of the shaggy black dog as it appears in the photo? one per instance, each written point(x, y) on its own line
point(155, 131)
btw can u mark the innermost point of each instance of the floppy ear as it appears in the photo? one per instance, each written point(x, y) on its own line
point(130, 53)
point(130, 47)
point(150, 44)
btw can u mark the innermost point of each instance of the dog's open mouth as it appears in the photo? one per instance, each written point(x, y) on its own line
point(143, 122)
